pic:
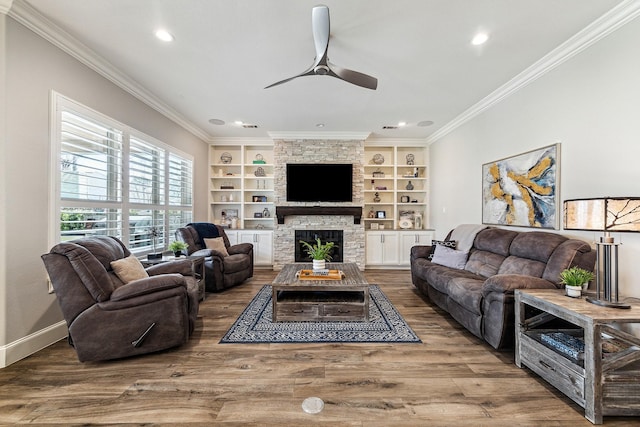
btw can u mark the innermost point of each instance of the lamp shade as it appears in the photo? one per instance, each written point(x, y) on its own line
point(605, 214)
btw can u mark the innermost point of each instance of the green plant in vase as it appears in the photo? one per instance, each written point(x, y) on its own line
point(319, 253)
point(575, 280)
point(177, 247)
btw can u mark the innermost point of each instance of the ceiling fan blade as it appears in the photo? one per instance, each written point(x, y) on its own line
point(321, 29)
point(354, 77)
point(309, 72)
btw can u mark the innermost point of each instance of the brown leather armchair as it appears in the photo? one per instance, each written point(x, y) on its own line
point(222, 271)
point(108, 318)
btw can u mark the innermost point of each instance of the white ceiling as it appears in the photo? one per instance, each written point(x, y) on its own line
point(225, 52)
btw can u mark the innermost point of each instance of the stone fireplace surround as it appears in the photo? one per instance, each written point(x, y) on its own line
point(318, 151)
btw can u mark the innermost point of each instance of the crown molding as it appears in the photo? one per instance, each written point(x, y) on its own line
point(26, 15)
point(238, 140)
point(345, 136)
point(5, 6)
point(617, 17)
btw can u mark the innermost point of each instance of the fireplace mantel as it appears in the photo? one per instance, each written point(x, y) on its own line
point(283, 211)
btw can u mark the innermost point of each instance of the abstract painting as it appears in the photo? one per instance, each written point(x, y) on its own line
point(522, 190)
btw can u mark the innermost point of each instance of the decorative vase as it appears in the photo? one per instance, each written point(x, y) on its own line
point(177, 254)
point(376, 197)
point(319, 264)
point(409, 186)
point(574, 291)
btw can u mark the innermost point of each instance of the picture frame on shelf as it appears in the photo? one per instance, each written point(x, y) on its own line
point(381, 214)
point(259, 199)
point(257, 214)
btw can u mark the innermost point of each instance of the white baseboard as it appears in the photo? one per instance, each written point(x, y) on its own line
point(33, 343)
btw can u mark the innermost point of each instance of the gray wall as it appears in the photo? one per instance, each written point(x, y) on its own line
point(591, 105)
point(34, 67)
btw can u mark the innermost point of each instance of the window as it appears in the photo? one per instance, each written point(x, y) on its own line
point(112, 180)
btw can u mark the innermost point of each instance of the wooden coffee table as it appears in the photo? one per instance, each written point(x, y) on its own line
point(297, 300)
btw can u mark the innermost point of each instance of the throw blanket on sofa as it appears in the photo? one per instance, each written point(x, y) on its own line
point(205, 230)
point(465, 234)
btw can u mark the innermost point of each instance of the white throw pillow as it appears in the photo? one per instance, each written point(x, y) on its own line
point(216, 244)
point(129, 269)
point(449, 257)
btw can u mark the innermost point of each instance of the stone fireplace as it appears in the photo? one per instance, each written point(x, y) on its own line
point(314, 216)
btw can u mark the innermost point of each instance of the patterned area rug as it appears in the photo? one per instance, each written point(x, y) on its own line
point(255, 326)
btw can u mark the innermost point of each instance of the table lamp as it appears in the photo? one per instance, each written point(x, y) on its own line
point(605, 214)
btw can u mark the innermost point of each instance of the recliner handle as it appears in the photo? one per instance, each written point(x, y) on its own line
point(137, 343)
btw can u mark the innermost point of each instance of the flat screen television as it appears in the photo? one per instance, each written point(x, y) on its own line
point(319, 182)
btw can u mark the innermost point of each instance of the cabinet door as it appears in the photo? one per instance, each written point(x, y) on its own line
point(382, 248)
point(411, 239)
point(391, 248)
point(262, 245)
point(374, 248)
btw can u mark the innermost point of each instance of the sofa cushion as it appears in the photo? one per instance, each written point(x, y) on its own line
point(216, 244)
point(439, 277)
point(523, 266)
point(495, 240)
point(484, 263)
point(536, 245)
point(467, 292)
point(449, 257)
point(129, 269)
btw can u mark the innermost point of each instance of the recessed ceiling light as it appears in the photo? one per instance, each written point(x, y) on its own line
point(164, 35)
point(239, 122)
point(479, 39)
point(216, 122)
point(320, 125)
point(402, 124)
point(425, 123)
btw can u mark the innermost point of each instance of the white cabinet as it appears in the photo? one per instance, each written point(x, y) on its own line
point(262, 241)
point(408, 239)
point(382, 248)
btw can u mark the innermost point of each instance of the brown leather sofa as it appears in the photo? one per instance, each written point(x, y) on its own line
point(222, 270)
point(108, 318)
point(480, 296)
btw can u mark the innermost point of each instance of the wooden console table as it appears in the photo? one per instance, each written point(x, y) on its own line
point(605, 377)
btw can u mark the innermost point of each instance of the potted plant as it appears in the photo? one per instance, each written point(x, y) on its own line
point(177, 247)
point(319, 253)
point(575, 280)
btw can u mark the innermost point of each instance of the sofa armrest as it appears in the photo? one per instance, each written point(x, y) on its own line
point(147, 286)
point(179, 266)
point(204, 253)
point(420, 251)
point(507, 283)
point(240, 248)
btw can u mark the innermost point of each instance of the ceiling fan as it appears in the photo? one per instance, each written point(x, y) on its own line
point(322, 66)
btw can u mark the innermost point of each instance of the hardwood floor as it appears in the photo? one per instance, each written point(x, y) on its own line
point(451, 379)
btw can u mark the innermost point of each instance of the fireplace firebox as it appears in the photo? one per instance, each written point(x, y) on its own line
point(310, 236)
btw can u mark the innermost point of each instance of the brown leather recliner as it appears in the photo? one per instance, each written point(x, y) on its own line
point(221, 272)
point(108, 319)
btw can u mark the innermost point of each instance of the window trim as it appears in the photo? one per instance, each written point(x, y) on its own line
point(58, 103)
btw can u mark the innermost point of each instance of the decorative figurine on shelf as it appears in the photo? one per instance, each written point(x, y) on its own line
point(410, 159)
point(266, 213)
point(376, 197)
point(378, 159)
point(372, 214)
point(259, 160)
point(409, 186)
point(259, 172)
point(226, 158)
